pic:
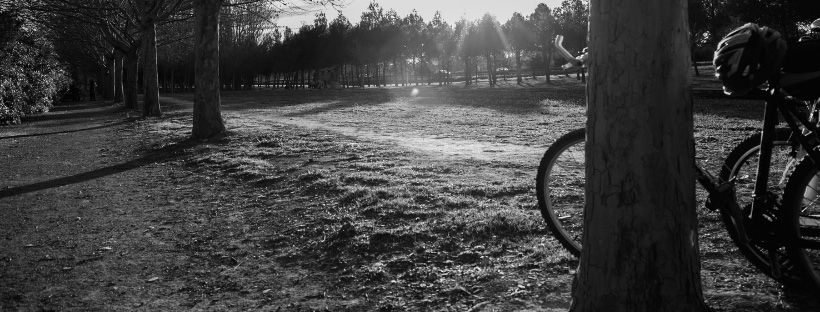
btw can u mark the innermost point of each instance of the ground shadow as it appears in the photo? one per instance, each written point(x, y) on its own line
point(165, 153)
point(125, 121)
point(62, 107)
point(82, 111)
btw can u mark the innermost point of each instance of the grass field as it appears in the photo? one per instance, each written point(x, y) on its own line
point(428, 201)
point(363, 200)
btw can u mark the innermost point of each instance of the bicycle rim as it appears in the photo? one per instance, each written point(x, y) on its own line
point(561, 188)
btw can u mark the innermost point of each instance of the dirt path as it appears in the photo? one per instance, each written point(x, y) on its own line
point(444, 148)
point(437, 147)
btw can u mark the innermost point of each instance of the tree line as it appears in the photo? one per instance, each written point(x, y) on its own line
point(384, 48)
point(145, 46)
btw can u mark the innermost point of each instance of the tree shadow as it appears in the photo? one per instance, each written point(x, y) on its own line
point(77, 112)
point(165, 153)
point(78, 106)
point(125, 121)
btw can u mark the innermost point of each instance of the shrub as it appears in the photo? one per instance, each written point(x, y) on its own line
point(31, 77)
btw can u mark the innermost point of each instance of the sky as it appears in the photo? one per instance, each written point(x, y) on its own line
point(451, 10)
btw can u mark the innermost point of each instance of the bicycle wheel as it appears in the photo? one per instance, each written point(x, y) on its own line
point(741, 165)
point(560, 187)
point(801, 215)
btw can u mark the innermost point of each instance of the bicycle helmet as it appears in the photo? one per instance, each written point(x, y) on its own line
point(814, 30)
point(747, 57)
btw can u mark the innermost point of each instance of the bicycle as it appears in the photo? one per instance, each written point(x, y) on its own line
point(780, 238)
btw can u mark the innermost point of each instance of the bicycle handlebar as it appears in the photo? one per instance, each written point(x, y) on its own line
point(572, 61)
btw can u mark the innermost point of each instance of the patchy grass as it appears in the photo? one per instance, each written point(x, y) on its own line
point(365, 200)
point(421, 231)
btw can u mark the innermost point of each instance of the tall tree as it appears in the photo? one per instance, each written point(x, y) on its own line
point(544, 28)
point(520, 38)
point(434, 48)
point(414, 32)
point(572, 18)
point(470, 48)
point(124, 37)
point(149, 14)
point(640, 249)
point(489, 30)
point(207, 119)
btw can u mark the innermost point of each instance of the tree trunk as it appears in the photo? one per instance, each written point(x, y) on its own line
point(111, 72)
point(149, 70)
point(415, 72)
point(467, 78)
point(395, 73)
point(118, 76)
point(547, 63)
point(694, 61)
point(518, 66)
point(207, 115)
point(376, 82)
point(403, 75)
point(640, 249)
point(489, 69)
point(476, 71)
point(131, 86)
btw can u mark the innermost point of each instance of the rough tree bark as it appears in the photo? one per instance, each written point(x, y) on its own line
point(207, 115)
point(149, 70)
point(640, 248)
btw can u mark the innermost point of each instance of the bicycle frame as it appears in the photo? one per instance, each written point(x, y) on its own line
point(721, 194)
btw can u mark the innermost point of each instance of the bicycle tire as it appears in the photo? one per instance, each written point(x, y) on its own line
point(566, 223)
point(566, 186)
point(801, 219)
point(741, 165)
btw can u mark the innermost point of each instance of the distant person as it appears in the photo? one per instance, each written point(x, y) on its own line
point(92, 90)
